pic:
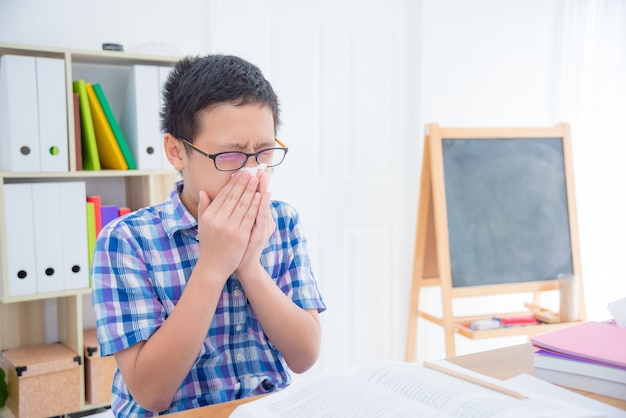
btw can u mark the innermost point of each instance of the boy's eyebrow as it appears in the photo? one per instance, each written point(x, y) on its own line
point(268, 144)
point(240, 145)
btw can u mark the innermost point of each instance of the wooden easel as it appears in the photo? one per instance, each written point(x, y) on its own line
point(432, 265)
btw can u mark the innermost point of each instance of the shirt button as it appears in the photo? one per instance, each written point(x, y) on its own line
point(239, 357)
point(237, 293)
point(238, 327)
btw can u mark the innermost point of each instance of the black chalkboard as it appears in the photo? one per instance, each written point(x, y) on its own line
point(507, 210)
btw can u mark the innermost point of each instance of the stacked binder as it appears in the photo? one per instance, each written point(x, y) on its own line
point(33, 114)
point(590, 356)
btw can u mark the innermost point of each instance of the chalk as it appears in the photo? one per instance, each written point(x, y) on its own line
point(482, 324)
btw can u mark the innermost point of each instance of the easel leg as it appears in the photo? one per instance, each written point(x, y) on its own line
point(411, 334)
point(448, 324)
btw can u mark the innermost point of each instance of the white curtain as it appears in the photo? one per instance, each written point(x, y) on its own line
point(591, 96)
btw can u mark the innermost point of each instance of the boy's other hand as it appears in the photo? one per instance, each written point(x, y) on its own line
point(263, 228)
point(226, 223)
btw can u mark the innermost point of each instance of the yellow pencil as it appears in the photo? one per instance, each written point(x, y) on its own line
point(473, 379)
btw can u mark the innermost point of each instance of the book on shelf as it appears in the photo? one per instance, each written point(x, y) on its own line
point(19, 124)
point(91, 234)
point(74, 238)
point(115, 127)
point(77, 135)
point(111, 156)
point(91, 159)
point(403, 389)
point(109, 213)
point(52, 114)
point(598, 341)
point(33, 114)
point(140, 117)
point(97, 206)
point(123, 211)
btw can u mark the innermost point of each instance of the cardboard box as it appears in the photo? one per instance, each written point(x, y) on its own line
point(44, 380)
point(99, 371)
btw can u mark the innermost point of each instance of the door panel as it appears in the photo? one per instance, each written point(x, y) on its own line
point(342, 72)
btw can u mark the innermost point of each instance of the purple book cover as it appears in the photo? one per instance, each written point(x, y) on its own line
point(109, 212)
point(545, 352)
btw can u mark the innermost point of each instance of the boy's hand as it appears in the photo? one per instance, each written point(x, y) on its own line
point(263, 228)
point(225, 224)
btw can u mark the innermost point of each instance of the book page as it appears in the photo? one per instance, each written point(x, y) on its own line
point(334, 396)
point(548, 389)
point(398, 389)
point(457, 397)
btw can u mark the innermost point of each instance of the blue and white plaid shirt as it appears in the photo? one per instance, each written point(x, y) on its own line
point(140, 268)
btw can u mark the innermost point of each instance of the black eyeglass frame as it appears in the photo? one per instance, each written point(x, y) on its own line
point(282, 147)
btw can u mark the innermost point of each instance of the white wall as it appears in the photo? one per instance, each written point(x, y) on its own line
point(149, 26)
point(520, 64)
point(345, 76)
point(483, 67)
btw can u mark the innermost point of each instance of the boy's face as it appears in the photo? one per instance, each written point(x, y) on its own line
point(248, 128)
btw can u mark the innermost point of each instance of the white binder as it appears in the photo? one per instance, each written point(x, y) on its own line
point(52, 105)
point(140, 118)
point(74, 236)
point(20, 239)
point(164, 72)
point(19, 125)
point(48, 234)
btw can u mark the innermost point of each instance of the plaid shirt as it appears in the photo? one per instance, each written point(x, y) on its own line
point(140, 267)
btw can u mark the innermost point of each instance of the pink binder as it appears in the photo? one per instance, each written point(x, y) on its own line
point(597, 341)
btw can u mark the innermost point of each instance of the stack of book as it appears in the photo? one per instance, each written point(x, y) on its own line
point(98, 215)
point(99, 137)
point(590, 356)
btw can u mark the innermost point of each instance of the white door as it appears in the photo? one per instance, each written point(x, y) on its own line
point(343, 72)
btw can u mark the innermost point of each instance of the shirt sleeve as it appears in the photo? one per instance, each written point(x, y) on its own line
point(125, 305)
point(296, 280)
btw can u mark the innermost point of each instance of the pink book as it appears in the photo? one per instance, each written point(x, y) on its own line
point(97, 205)
point(123, 211)
point(590, 340)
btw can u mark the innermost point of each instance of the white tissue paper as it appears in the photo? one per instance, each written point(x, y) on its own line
point(254, 170)
point(618, 310)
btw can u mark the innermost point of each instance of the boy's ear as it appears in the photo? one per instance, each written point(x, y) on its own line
point(174, 150)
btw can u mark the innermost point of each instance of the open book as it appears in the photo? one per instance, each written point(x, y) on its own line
point(398, 389)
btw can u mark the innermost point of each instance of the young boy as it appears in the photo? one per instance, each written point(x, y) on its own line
point(208, 296)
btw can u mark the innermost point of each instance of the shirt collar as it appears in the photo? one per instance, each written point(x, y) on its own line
point(175, 215)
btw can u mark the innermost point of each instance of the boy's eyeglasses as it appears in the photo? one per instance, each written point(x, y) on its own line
point(234, 160)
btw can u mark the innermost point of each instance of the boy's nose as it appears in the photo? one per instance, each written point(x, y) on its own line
point(253, 169)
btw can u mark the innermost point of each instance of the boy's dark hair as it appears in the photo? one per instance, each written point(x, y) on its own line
point(199, 83)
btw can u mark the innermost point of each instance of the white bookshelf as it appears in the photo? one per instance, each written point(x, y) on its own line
point(34, 319)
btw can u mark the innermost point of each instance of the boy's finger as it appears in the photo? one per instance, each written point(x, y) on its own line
point(229, 195)
point(250, 216)
point(263, 181)
point(203, 202)
point(242, 203)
